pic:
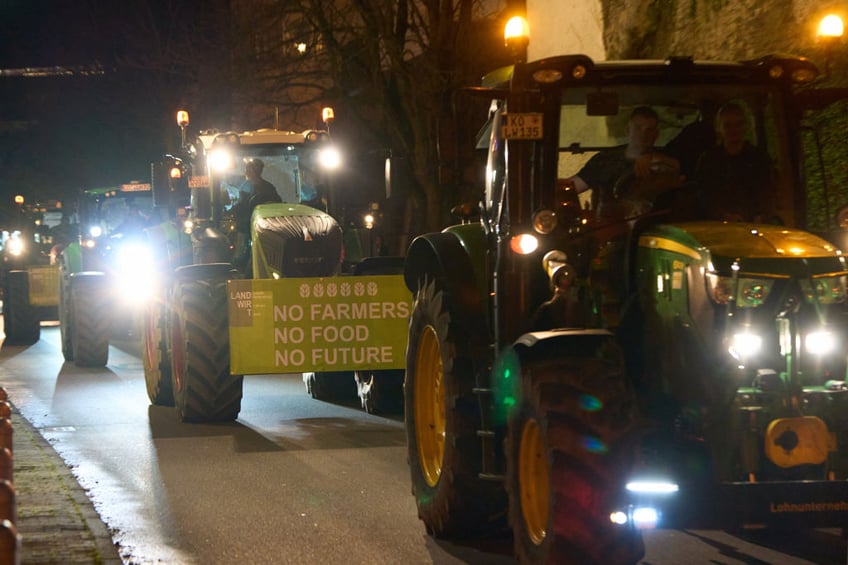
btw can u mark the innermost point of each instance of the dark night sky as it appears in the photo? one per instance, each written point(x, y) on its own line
point(60, 134)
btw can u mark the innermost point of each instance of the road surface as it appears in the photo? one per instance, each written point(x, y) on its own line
point(293, 480)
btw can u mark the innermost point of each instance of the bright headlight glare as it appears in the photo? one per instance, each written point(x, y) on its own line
point(95, 231)
point(618, 517)
point(220, 160)
point(15, 246)
point(652, 487)
point(330, 158)
point(524, 244)
point(820, 342)
point(135, 272)
point(645, 517)
point(745, 345)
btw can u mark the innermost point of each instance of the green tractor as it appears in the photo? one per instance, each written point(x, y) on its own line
point(186, 348)
point(28, 274)
point(592, 371)
point(105, 271)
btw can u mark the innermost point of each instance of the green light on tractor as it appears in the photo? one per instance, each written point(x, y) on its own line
point(505, 373)
point(590, 403)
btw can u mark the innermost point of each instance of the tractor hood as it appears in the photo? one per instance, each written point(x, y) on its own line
point(755, 248)
point(293, 240)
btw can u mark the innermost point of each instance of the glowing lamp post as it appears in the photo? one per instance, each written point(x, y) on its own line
point(829, 32)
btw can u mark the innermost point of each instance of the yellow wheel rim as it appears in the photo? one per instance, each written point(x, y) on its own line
point(533, 481)
point(429, 406)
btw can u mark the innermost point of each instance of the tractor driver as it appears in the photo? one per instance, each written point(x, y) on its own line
point(254, 191)
point(639, 159)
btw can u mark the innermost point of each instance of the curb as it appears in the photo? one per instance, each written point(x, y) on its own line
point(55, 518)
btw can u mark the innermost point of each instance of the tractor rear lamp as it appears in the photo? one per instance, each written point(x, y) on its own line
point(524, 244)
point(544, 221)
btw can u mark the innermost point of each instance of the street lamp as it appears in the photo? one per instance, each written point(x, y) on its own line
point(829, 32)
point(517, 37)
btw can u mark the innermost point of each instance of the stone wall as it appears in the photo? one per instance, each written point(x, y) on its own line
point(712, 29)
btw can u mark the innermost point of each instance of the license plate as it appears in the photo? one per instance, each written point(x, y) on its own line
point(522, 126)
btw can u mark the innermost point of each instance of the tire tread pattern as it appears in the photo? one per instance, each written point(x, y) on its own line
point(589, 454)
point(207, 391)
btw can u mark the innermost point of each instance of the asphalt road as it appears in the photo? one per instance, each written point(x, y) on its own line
point(292, 481)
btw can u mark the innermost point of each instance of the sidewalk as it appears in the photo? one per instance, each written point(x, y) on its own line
point(55, 519)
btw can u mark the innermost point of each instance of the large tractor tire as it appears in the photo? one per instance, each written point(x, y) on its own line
point(156, 357)
point(20, 318)
point(91, 319)
point(65, 320)
point(381, 392)
point(569, 448)
point(442, 417)
point(330, 386)
point(203, 388)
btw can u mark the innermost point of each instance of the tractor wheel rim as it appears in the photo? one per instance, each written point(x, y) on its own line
point(429, 406)
point(533, 481)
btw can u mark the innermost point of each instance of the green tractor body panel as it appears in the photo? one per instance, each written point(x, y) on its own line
point(730, 315)
point(473, 241)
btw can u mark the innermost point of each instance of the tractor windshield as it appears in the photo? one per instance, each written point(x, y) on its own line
point(598, 125)
point(290, 168)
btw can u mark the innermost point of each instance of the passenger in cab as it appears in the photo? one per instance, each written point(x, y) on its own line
point(734, 179)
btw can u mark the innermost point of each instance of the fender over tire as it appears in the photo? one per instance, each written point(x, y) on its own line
point(444, 452)
point(569, 448)
point(202, 385)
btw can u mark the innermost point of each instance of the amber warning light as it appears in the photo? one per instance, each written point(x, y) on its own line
point(182, 118)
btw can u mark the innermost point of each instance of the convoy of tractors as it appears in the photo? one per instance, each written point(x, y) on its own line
point(579, 365)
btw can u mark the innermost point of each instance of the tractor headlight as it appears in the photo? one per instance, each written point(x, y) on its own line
point(220, 160)
point(749, 292)
point(15, 246)
point(825, 290)
point(135, 272)
point(95, 231)
point(745, 345)
point(330, 158)
point(820, 342)
point(524, 244)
